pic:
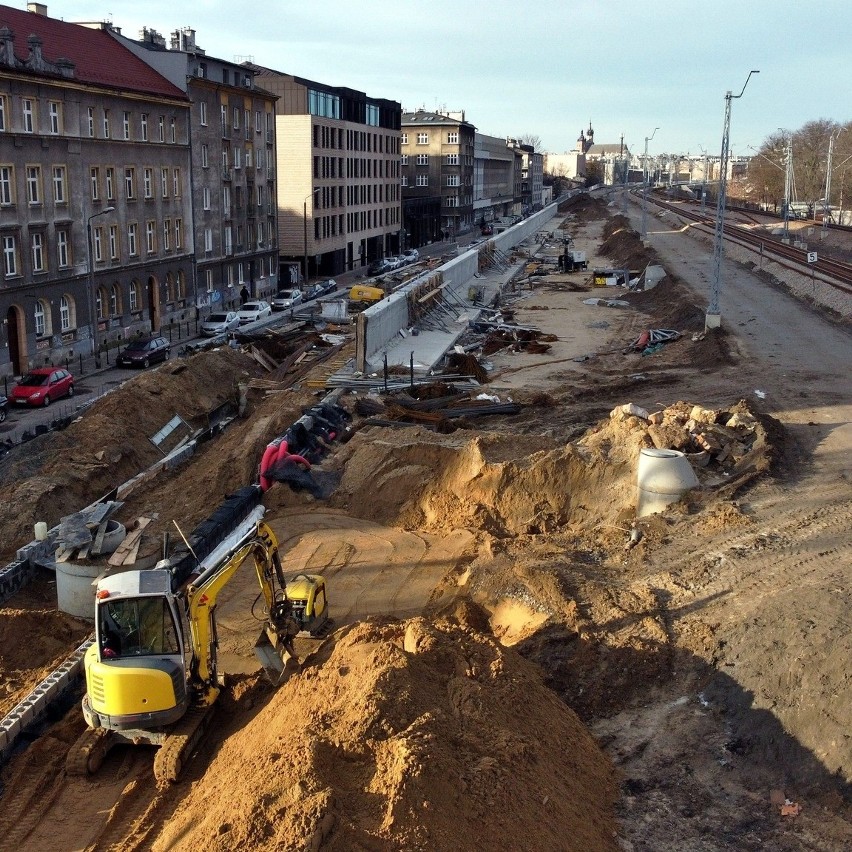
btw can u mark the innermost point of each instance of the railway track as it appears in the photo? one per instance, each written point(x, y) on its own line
point(834, 273)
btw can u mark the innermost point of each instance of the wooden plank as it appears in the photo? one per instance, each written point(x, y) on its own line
point(64, 554)
point(99, 538)
point(130, 559)
point(125, 548)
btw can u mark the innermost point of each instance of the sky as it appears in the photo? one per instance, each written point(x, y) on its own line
point(545, 68)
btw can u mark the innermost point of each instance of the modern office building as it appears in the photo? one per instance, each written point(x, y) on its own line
point(338, 194)
point(94, 192)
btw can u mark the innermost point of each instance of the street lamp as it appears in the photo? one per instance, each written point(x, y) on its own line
point(713, 318)
point(645, 185)
point(305, 223)
point(93, 319)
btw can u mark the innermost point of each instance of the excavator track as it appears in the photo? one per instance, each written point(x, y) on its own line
point(87, 754)
point(179, 743)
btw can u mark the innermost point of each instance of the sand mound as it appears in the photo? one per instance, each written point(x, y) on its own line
point(61, 472)
point(411, 736)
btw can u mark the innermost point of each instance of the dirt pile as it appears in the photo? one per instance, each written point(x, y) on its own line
point(584, 207)
point(411, 736)
point(625, 246)
point(61, 472)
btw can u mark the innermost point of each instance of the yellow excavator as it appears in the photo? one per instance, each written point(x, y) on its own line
point(151, 674)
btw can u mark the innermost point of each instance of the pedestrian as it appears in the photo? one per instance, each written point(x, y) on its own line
point(244, 295)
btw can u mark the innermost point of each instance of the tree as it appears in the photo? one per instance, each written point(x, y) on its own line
point(531, 139)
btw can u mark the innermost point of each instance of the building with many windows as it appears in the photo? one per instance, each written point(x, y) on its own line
point(94, 192)
point(338, 164)
point(232, 142)
point(437, 157)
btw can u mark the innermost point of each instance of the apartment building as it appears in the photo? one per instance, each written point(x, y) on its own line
point(497, 178)
point(338, 194)
point(232, 148)
point(94, 192)
point(437, 152)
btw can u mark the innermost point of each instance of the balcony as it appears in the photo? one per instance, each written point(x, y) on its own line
point(226, 173)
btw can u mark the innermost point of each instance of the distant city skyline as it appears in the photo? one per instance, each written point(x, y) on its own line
point(547, 69)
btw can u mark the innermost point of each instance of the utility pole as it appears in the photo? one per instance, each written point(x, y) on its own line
point(713, 318)
point(645, 186)
point(788, 181)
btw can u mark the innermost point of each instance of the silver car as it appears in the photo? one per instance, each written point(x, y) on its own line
point(253, 311)
point(220, 323)
point(285, 299)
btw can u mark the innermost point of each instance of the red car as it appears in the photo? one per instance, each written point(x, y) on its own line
point(43, 385)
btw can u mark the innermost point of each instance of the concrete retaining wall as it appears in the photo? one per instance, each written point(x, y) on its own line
point(380, 323)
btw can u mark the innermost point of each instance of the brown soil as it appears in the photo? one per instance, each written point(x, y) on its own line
point(492, 611)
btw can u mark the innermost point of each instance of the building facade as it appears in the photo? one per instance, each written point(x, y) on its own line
point(338, 195)
point(437, 162)
point(233, 177)
point(94, 193)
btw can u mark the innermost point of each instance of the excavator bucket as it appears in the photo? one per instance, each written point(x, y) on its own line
point(276, 661)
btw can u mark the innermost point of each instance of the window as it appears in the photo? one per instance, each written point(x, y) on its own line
point(257, 123)
point(422, 160)
point(422, 138)
point(6, 184)
point(164, 182)
point(130, 183)
point(404, 160)
point(236, 118)
point(176, 183)
point(27, 111)
point(99, 303)
point(205, 157)
point(97, 243)
point(452, 159)
point(38, 315)
point(247, 122)
point(229, 240)
point(106, 124)
point(403, 138)
point(453, 138)
point(452, 201)
point(59, 192)
point(94, 178)
point(208, 239)
point(178, 233)
point(151, 237)
point(125, 125)
point(323, 104)
point(115, 300)
point(161, 128)
point(2, 113)
point(405, 180)
point(131, 239)
point(226, 200)
point(167, 234)
point(10, 256)
point(205, 198)
point(110, 183)
point(453, 180)
point(238, 159)
point(64, 313)
point(113, 242)
point(37, 246)
point(223, 117)
point(144, 122)
point(34, 184)
point(202, 113)
point(134, 295)
point(90, 112)
point(208, 277)
point(248, 156)
point(54, 111)
point(148, 182)
point(422, 180)
point(172, 130)
point(62, 243)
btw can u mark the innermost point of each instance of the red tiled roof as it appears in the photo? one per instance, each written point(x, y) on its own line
point(98, 58)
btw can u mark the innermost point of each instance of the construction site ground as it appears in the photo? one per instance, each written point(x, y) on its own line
point(508, 669)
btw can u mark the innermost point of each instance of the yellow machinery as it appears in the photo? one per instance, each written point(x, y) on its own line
point(151, 673)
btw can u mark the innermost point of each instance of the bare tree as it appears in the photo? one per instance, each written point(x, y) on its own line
point(531, 139)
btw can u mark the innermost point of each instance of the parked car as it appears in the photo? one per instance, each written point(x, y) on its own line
point(379, 267)
point(145, 351)
point(286, 299)
point(412, 254)
point(42, 386)
point(4, 407)
point(394, 262)
point(253, 311)
point(323, 288)
point(220, 323)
